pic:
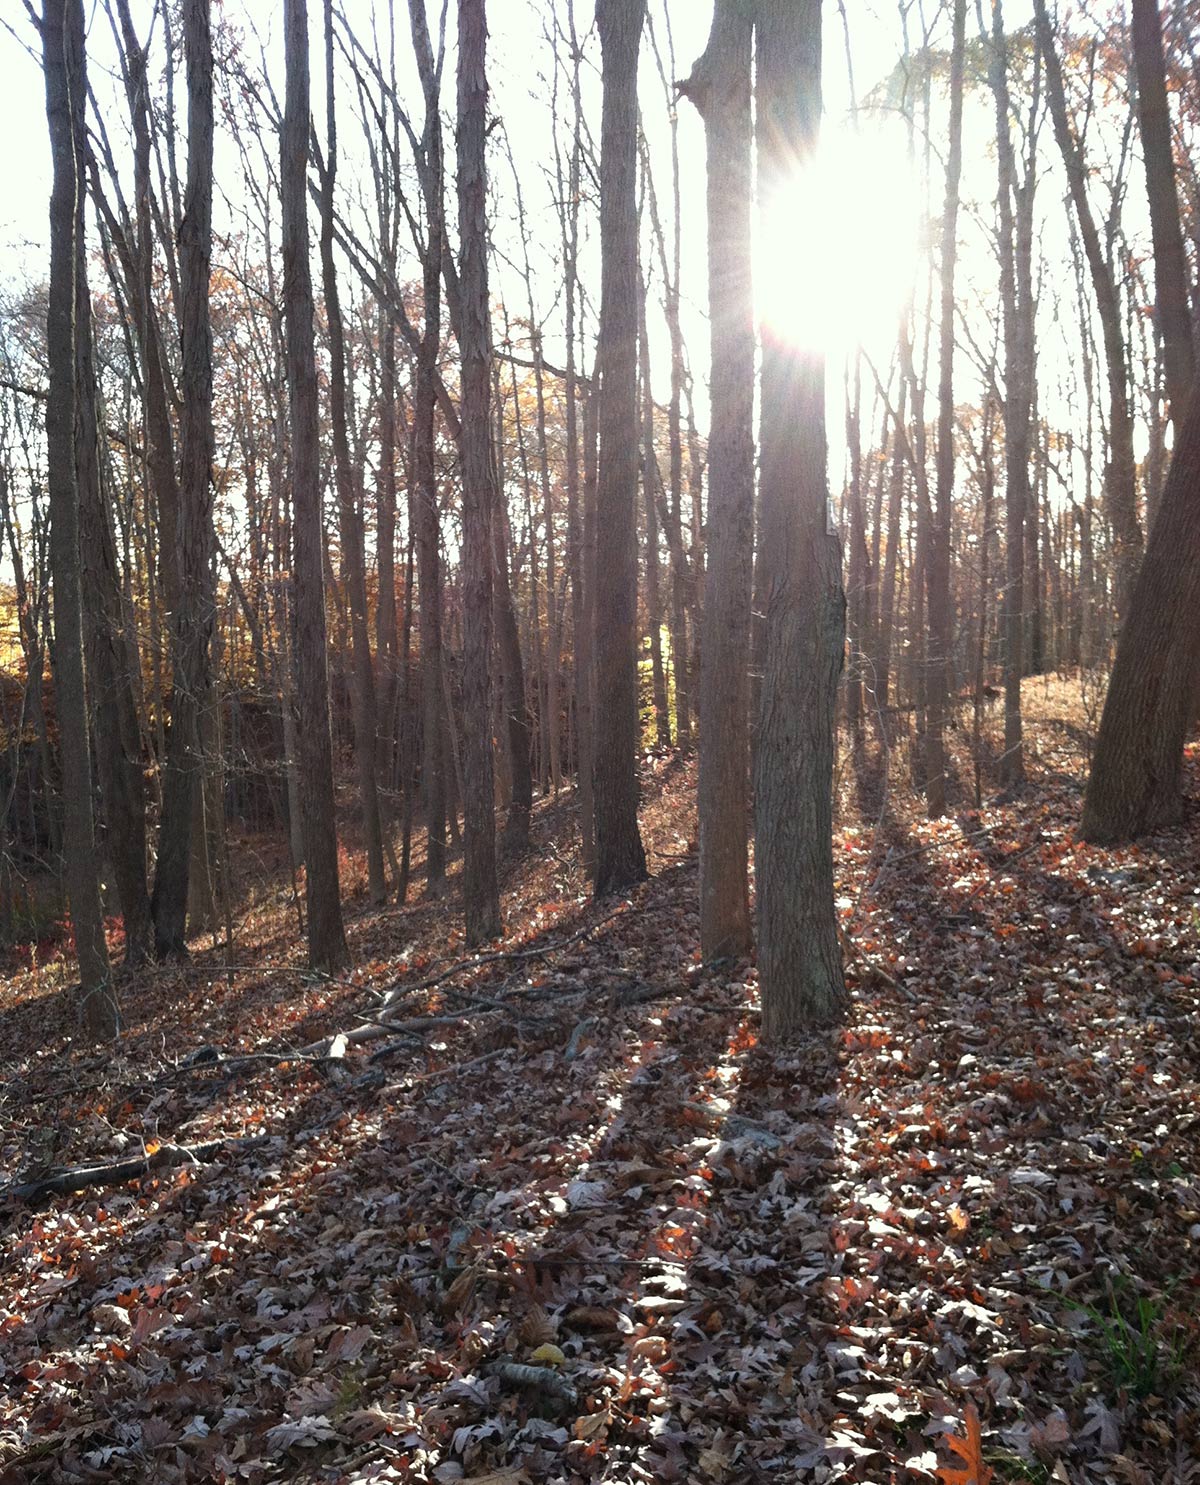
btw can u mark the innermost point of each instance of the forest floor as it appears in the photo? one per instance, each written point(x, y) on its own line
point(566, 1221)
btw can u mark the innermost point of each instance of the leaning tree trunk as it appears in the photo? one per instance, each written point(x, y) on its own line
point(620, 858)
point(66, 90)
point(720, 88)
point(327, 949)
point(481, 892)
point(799, 955)
point(1134, 785)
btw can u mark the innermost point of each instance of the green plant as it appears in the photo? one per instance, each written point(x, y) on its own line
point(1142, 1352)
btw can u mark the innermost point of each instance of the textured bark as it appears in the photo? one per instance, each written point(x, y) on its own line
point(350, 525)
point(940, 610)
point(66, 90)
point(481, 891)
point(327, 948)
point(1120, 488)
point(799, 956)
point(1014, 247)
point(1171, 309)
point(428, 543)
point(193, 617)
point(650, 483)
point(1134, 785)
point(620, 859)
point(720, 88)
point(516, 716)
point(110, 683)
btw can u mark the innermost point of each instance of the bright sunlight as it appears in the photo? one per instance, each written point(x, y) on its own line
point(836, 252)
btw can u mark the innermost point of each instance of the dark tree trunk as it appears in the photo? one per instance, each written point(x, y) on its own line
point(66, 91)
point(620, 859)
point(799, 955)
point(1135, 780)
point(327, 949)
point(481, 891)
point(720, 88)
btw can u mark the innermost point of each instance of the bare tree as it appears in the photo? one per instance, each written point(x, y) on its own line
point(480, 887)
point(799, 955)
point(620, 858)
point(720, 88)
point(66, 91)
point(327, 949)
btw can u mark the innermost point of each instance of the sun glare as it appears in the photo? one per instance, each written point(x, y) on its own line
point(837, 248)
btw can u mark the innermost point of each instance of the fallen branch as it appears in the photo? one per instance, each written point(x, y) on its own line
point(116, 1173)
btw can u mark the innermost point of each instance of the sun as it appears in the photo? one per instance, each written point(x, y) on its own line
point(837, 247)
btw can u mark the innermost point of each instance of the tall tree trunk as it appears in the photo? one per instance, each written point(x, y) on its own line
point(66, 92)
point(940, 606)
point(110, 691)
point(481, 890)
point(720, 88)
point(1018, 352)
point(1134, 785)
point(1171, 310)
point(799, 956)
point(650, 482)
point(327, 949)
point(350, 525)
point(193, 616)
point(620, 858)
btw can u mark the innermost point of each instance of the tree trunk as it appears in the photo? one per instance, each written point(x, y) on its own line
point(66, 91)
point(650, 482)
point(350, 524)
point(327, 949)
point(1171, 309)
point(720, 88)
point(799, 956)
point(620, 858)
point(481, 890)
point(940, 607)
point(1134, 785)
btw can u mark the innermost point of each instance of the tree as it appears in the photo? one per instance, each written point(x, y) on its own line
point(940, 602)
point(720, 88)
point(1134, 786)
point(66, 89)
point(191, 739)
point(1171, 311)
point(350, 524)
point(620, 858)
point(327, 948)
point(480, 888)
point(799, 956)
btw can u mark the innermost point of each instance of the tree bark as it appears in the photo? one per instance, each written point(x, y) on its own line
point(940, 610)
point(481, 890)
point(66, 92)
point(799, 956)
point(720, 88)
point(1134, 785)
point(350, 524)
point(620, 858)
point(327, 949)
